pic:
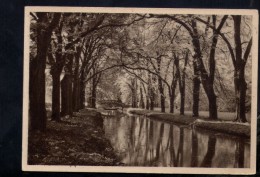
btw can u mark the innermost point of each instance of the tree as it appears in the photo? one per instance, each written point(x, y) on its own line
point(44, 26)
point(239, 75)
point(181, 77)
point(239, 62)
point(207, 78)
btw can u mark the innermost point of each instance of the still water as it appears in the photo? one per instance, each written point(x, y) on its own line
point(140, 141)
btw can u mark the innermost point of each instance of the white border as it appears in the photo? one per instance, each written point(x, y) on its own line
point(116, 169)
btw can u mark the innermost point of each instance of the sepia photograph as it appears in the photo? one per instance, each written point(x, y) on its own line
point(138, 90)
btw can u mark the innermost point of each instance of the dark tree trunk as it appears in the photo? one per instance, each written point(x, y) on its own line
point(239, 76)
point(160, 84)
point(240, 92)
point(239, 154)
point(182, 85)
point(93, 97)
point(147, 105)
point(66, 89)
point(213, 112)
point(162, 98)
point(65, 84)
point(180, 149)
point(151, 93)
point(207, 161)
point(196, 91)
point(76, 95)
point(146, 93)
point(171, 104)
point(141, 98)
point(207, 81)
point(56, 69)
point(75, 98)
point(56, 96)
point(93, 93)
point(37, 73)
point(199, 68)
point(172, 93)
point(152, 96)
point(134, 88)
point(194, 149)
point(37, 93)
point(174, 83)
point(182, 104)
point(69, 76)
point(82, 87)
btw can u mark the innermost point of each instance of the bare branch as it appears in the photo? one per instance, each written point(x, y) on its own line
point(248, 48)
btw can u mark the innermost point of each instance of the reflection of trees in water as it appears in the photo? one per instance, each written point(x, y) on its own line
point(152, 143)
point(207, 161)
point(180, 150)
point(194, 149)
point(239, 154)
point(141, 127)
point(176, 160)
point(146, 140)
point(154, 158)
point(159, 142)
point(132, 132)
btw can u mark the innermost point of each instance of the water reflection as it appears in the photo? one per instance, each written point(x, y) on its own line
point(140, 141)
point(207, 161)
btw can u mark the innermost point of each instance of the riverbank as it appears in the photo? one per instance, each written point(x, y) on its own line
point(79, 140)
point(221, 125)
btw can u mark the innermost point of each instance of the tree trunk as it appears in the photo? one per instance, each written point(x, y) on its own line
point(93, 93)
point(196, 96)
point(152, 95)
point(199, 69)
point(75, 97)
point(147, 105)
point(69, 77)
point(65, 84)
point(162, 98)
point(194, 149)
point(56, 96)
point(213, 112)
point(160, 85)
point(239, 76)
point(182, 84)
point(66, 89)
point(82, 87)
point(182, 104)
point(172, 93)
point(146, 93)
point(37, 73)
point(171, 103)
point(240, 92)
point(37, 93)
point(93, 97)
point(141, 98)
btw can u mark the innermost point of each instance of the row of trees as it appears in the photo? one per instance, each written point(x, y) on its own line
point(153, 55)
point(204, 39)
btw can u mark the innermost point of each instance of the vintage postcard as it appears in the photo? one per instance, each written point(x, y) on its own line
point(140, 90)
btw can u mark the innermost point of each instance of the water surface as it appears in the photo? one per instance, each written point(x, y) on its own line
point(140, 141)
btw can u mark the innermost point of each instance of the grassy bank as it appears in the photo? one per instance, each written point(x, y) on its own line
point(78, 140)
point(221, 125)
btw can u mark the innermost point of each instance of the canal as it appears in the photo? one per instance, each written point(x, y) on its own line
point(140, 141)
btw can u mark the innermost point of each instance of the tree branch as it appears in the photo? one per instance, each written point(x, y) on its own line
point(248, 49)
